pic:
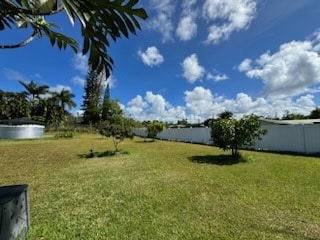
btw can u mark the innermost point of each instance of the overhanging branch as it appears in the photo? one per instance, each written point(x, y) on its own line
point(23, 43)
point(14, 10)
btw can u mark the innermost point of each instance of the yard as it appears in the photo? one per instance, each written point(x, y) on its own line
point(162, 190)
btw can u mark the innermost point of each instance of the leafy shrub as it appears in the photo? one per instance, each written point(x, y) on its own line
point(234, 134)
point(64, 133)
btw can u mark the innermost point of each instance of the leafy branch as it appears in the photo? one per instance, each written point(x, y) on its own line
point(101, 20)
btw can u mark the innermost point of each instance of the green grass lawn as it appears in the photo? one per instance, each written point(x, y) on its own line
point(162, 190)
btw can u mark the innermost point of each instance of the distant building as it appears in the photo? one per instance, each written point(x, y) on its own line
point(21, 129)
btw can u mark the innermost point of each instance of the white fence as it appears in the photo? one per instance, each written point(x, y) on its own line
point(294, 138)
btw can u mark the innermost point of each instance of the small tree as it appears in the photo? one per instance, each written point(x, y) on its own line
point(118, 131)
point(153, 128)
point(234, 134)
point(115, 125)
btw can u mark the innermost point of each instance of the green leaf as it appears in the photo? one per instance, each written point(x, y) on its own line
point(21, 23)
point(43, 6)
point(68, 10)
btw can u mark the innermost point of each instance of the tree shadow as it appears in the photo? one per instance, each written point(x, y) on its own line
point(145, 141)
point(108, 153)
point(218, 159)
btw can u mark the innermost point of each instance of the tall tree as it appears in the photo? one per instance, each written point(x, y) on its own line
point(64, 97)
point(92, 97)
point(34, 90)
point(100, 20)
point(109, 107)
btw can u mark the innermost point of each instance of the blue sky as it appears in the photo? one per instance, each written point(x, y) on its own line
point(193, 59)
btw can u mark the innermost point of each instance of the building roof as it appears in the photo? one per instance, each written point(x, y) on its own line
point(290, 122)
point(19, 121)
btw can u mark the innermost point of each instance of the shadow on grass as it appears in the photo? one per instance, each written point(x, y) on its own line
point(146, 141)
point(316, 154)
point(218, 159)
point(108, 153)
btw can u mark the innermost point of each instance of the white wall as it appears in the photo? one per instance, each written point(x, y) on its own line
point(294, 138)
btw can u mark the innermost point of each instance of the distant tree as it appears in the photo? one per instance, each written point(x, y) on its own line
point(49, 111)
point(315, 114)
point(115, 125)
point(64, 98)
point(53, 107)
point(292, 116)
point(14, 105)
point(234, 134)
point(100, 21)
point(154, 128)
point(182, 122)
point(109, 107)
point(34, 91)
point(225, 115)
point(208, 122)
point(92, 97)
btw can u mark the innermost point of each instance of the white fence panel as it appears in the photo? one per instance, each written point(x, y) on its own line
point(202, 135)
point(142, 132)
point(283, 138)
point(294, 138)
point(193, 135)
point(312, 138)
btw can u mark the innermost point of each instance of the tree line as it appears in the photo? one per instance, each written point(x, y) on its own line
point(36, 103)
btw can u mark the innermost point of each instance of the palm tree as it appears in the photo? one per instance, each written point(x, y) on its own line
point(34, 90)
point(64, 97)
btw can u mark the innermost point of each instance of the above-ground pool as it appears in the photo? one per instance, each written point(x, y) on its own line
point(20, 129)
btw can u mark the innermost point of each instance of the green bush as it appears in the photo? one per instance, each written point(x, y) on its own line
point(64, 133)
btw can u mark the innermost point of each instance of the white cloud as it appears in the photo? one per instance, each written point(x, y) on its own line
point(37, 75)
point(162, 21)
point(80, 63)
point(151, 57)
point(245, 65)
point(192, 70)
point(58, 88)
point(217, 77)
point(187, 27)
point(157, 103)
point(223, 17)
point(199, 101)
point(153, 107)
point(13, 74)
point(290, 71)
point(136, 106)
point(77, 80)
point(201, 104)
point(226, 17)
